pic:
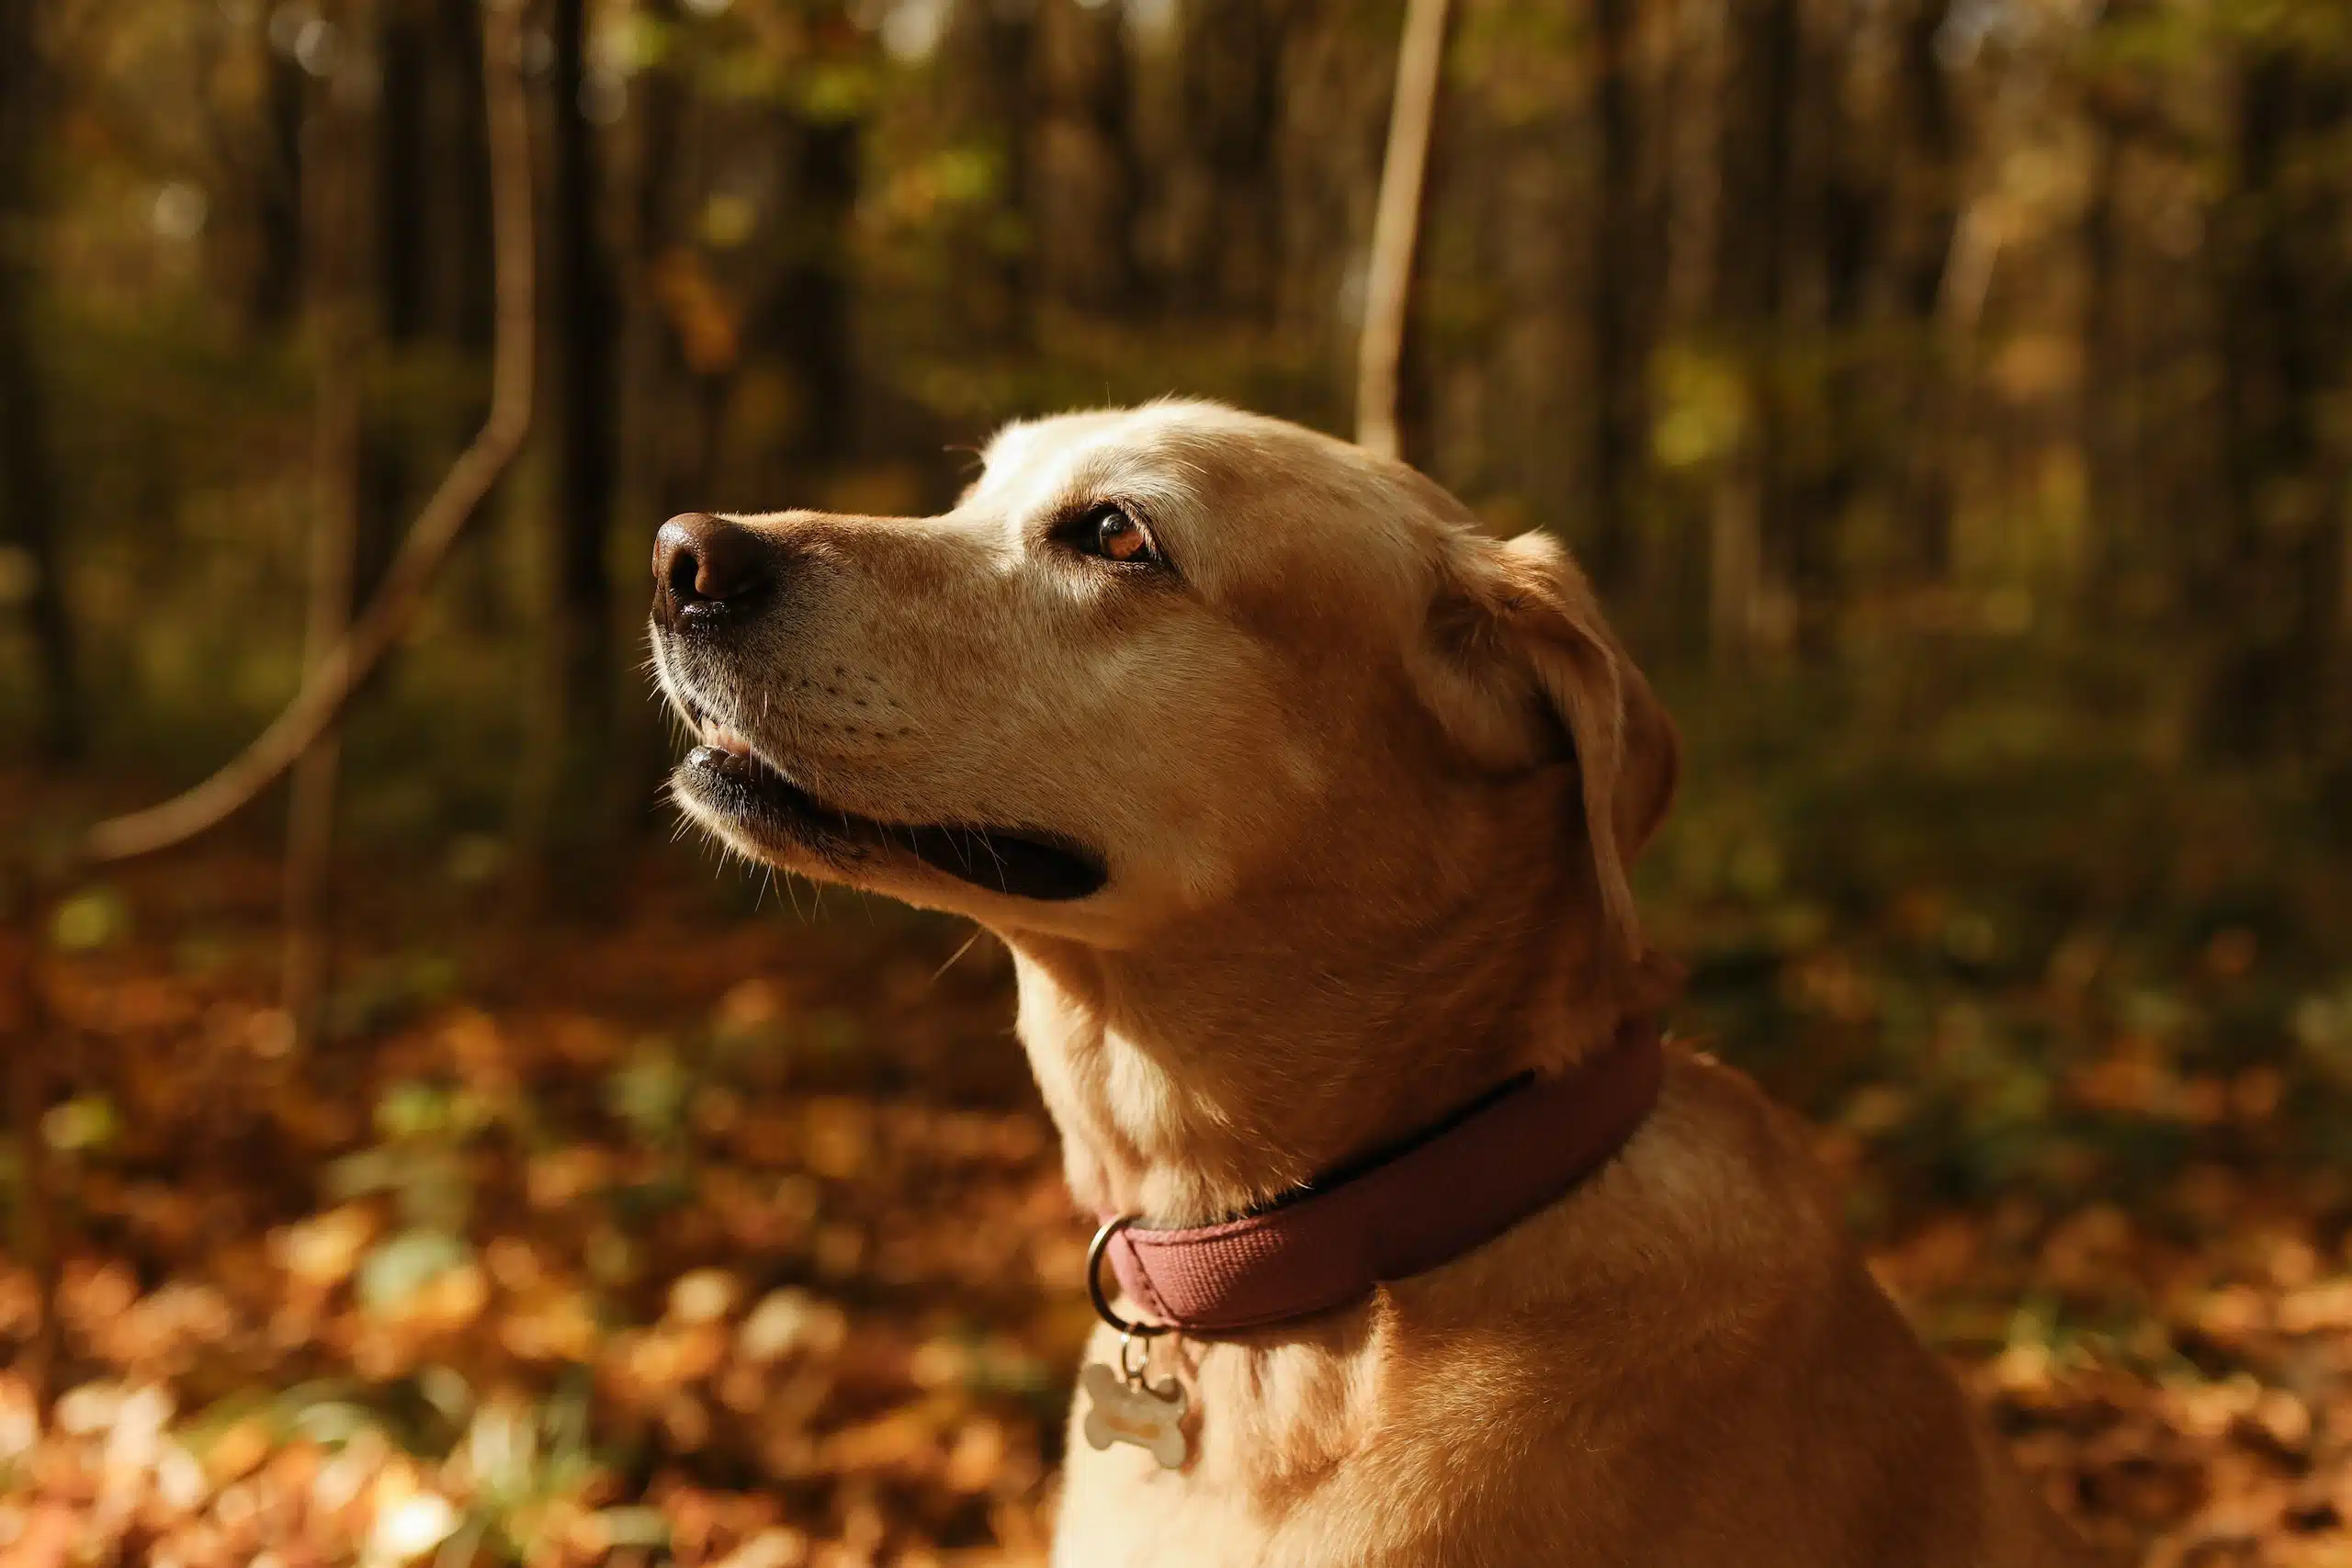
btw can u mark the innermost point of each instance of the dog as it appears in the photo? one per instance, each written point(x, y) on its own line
point(1305, 809)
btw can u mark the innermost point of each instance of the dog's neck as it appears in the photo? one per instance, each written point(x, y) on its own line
point(1217, 1067)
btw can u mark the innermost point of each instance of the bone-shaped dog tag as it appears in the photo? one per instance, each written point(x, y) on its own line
point(1119, 1411)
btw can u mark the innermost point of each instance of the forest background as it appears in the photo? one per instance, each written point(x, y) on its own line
point(1952, 399)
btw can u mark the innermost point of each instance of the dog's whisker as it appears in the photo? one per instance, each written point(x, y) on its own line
point(955, 957)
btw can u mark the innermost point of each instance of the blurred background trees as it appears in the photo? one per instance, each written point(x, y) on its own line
point(1821, 328)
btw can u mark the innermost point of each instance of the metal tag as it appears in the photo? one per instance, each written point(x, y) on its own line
point(1129, 1410)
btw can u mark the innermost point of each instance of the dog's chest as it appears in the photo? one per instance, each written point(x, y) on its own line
point(1120, 1510)
point(1275, 1476)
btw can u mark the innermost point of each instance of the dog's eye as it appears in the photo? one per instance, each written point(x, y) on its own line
point(1109, 532)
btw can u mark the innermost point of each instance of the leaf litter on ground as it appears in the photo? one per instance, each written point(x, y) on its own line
point(707, 1242)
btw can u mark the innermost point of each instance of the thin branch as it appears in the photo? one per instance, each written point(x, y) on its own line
point(327, 687)
point(1396, 227)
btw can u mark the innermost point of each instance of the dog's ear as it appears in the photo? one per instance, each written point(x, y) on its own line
point(1521, 665)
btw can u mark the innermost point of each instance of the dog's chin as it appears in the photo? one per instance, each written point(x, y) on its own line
point(761, 812)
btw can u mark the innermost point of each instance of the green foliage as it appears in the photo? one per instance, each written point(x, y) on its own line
point(88, 921)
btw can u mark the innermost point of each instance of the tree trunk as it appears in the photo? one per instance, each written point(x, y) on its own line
point(2285, 295)
point(276, 288)
point(1620, 349)
point(986, 68)
point(581, 311)
point(340, 141)
point(573, 718)
point(1225, 241)
point(2336, 710)
point(667, 463)
point(1932, 203)
point(1847, 221)
point(809, 316)
point(404, 165)
point(1082, 200)
point(29, 500)
point(2107, 383)
point(1759, 157)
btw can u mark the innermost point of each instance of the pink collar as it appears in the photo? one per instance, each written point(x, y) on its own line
point(1451, 1188)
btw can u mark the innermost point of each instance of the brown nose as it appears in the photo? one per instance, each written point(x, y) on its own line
point(701, 561)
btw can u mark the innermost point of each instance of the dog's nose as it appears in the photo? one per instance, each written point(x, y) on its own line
point(705, 560)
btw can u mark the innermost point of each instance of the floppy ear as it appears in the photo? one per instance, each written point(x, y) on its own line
point(1519, 653)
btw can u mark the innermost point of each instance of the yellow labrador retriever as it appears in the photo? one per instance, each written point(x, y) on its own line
point(1305, 810)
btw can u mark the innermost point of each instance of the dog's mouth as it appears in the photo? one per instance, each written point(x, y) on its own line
point(726, 776)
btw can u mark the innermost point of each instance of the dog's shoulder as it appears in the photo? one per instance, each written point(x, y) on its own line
point(1728, 1172)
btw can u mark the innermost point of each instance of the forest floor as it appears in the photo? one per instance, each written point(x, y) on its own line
point(706, 1239)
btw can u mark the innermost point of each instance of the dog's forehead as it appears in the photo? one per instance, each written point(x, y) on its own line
point(1039, 463)
point(1200, 463)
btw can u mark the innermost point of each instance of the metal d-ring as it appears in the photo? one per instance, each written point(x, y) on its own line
point(1111, 1227)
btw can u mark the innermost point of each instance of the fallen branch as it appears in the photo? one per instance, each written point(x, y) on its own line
point(1395, 226)
point(328, 686)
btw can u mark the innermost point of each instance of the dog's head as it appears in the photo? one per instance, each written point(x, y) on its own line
point(1154, 664)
